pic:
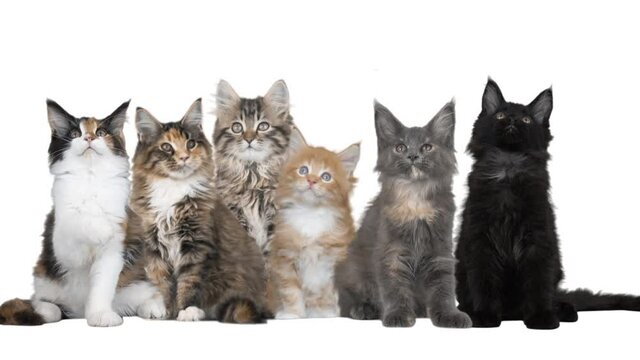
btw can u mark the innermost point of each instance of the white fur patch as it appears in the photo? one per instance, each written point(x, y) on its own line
point(310, 221)
point(104, 319)
point(128, 299)
point(153, 308)
point(316, 269)
point(192, 313)
point(49, 312)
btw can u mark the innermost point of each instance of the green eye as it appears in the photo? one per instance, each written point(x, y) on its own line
point(191, 144)
point(101, 132)
point(166, 147)
point(74, 134)
point(500, 115)
point(401, 148)
point(326, 177)
point(236, 127)
point(303, 170)
point(263, 126)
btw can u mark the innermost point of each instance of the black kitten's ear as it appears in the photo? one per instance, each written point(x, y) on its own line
point(492, 98)
point(442, 126)
point(116, 120)
point(227, 100)
point(60, 121)
point(148, 126)
point(278, 97)
point(388, 128)
point(541, 107)
point(193, 117)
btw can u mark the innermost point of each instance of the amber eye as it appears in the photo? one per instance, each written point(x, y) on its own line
point(303, 170)
point(500, 115)
point(427, 147)
point(526, 120)
point(263, 126)
point(166, 147)
point(236, 127)
point(191, 144)
point(326, 177)
point(75, 134)
point(101, 132)
point(401, 148)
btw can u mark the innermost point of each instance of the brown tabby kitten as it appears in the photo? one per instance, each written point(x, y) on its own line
point(313, 230)
point(188, 246)
point(251, 138)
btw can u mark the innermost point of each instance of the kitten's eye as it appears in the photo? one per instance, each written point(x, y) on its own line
point(191, 144)
point(74, 134)
point(401, 148)
point(101, 132)
point(500, 115)
point(166, 147)
point(263, 126)
point(526, 120)
point(427, 147)
point(236, 127)
point(326, 177)
point(303, 170)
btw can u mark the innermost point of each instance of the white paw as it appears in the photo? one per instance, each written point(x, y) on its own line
point(104, 319)
point(192, 313)
point(49, 312)
point(152, 309)
point(285, 315)
point(322, 313)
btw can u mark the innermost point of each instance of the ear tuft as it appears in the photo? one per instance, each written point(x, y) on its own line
point(278, 97)
point(542, 106)
point(227, 100)
point(147, 125)
point(193, 117)
point(388, 128)
point(118, 117)
point(350, 157)
point(59, 119)
point(492, 98)
point(442, 126)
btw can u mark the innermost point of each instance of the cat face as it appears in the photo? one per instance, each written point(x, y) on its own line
point(175, 150)
point(85, 137)
point(510, 126)
point(317, 176)
point(416, 153)
point(252, 130)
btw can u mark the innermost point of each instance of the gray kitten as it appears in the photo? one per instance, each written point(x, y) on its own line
point(401, 266)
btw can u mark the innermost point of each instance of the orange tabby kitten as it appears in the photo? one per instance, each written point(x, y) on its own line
point(313, 229)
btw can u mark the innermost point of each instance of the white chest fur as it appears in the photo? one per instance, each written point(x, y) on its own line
point(310, 221)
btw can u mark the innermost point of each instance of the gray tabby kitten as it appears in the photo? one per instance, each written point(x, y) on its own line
point(251, 138)
point(401, 266)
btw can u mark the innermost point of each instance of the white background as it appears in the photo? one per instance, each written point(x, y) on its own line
point(335, 57)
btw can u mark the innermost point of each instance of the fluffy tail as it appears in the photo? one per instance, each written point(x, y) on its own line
point(586, 300)
point(241, 310)
point(19, 312)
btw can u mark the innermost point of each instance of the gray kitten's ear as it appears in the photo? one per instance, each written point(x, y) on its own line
point(492, 98)
point(278, 97)
point(147, 125)
point(388, 128)
point(60, 121)
point(541, 107)
point(442, 126)
point(116, 120)
point(226, 98)
point(350, 157)
point(296, 141)
point(193, 118)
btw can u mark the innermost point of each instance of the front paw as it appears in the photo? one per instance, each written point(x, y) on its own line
point(152, 309)
point(544, 320)
point(451, 319)
point(485, 320)
point(399, 318)
point(104, 319)
point(287, 315)
point(364, 311)
point(192, 313)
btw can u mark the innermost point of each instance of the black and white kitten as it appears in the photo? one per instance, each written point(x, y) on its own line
point(509, 263)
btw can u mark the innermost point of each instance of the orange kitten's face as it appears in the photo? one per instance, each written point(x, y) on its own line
point(316, 176)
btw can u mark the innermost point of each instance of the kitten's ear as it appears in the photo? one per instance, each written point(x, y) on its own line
point(59, 120)
point(541, 107)
point(388, 127)
point(193, 118)
point(442, 126)
point(226, 98)
point(116, 120)
point(296, 141)
point(278, 97)
point(350, 157)
point(147, 125)
point(492, 97)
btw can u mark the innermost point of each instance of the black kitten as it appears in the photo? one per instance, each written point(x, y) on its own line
point(509, 260)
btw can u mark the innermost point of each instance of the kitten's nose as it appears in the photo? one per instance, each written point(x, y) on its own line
point(413, 158)
point(249, 140)
point(89, 138)
point(311, 182)
point(184, 158)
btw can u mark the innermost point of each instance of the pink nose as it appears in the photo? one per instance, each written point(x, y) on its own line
point(311, 182)
point(184, 158)
point(89, 138)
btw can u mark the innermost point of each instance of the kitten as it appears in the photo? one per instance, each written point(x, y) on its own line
point(81, 256)
point(509, 260)
point(251, 138)
point(400, 265)
point(313, 229)
point(188, 246)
